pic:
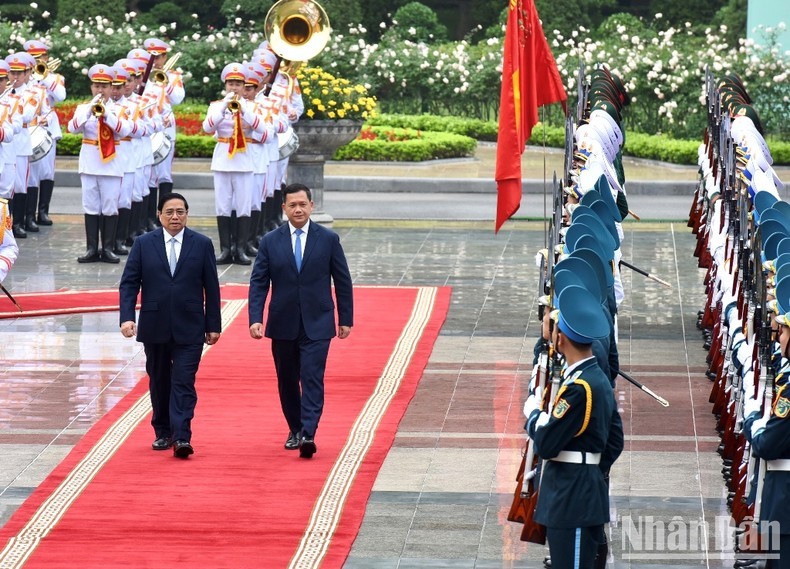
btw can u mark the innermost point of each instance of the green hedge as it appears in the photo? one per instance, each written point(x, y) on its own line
point(452, 137)
point(418, 146)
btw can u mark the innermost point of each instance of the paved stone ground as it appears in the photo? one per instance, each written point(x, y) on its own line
point(441, 498)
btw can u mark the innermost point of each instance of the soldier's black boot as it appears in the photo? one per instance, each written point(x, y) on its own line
point(142, 222)
point(150, 215)
point(109, 227)
point(164, 188)
point(223, 228)
point(18, 215)
point(92, 239)
point(31, 205)
point(44, 197)
point(124, 215)
point(252, 242)
point(241, 258)
point(277, 212)
point(134, 223)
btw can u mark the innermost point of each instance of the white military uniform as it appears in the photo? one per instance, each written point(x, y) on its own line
point(8, 247)
point(101, 180)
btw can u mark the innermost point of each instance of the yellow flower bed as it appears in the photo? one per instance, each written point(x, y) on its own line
point(328, 97)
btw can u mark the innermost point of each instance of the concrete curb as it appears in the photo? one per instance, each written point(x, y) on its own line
point(205, 181)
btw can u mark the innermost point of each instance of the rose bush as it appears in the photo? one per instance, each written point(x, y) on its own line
point(663, 66)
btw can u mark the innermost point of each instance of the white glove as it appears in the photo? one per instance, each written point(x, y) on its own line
point(531, 404)
point(750, 406)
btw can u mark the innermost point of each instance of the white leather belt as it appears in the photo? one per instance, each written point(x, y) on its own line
point(778, 464)
point(578, 457)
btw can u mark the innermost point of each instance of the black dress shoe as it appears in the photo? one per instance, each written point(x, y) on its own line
point(293, 441)
point(162, 443)
point(307, 449)
point(182, 449)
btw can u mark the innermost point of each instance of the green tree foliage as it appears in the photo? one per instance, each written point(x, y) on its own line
point(343, 13)
point(247, 10)
point(733, 16)
point(84, 10)
point(678, 12)
point(417, 22)
point(166, 13)
point(569, 15)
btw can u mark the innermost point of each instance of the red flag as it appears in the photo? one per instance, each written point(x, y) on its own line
point(237, 142)
point(529, 79)
point(106, 141)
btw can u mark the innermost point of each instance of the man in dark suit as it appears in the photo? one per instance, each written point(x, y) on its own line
point(300, 260)
point(180, 310)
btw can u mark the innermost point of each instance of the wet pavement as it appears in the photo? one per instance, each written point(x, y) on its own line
point(442, 495)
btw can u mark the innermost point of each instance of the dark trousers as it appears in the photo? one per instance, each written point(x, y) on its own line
point(784, 553)
point(300, 366)
point(171, 371)
point(572, 548)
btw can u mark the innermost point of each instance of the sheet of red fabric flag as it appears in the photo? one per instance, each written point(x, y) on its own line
point(106, 141)
point(530, 78)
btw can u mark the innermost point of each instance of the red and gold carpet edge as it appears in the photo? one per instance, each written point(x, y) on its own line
point(241, 500)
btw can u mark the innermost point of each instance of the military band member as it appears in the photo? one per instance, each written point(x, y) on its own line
point(573, 502)
point(43, 170)
point(232, 121)
point(8, 247)
point(26, 104)
point(101, 173)
point(10, 124)
point(168, 95)
point(140, 220)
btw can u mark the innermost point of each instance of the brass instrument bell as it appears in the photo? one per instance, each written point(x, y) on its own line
point(297, 30)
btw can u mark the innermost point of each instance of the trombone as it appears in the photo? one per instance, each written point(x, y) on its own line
point(41, 69)
point(160, 75)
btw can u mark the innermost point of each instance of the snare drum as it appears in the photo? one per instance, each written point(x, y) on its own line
point(287, 142)
point(161, 145)
point(41, 141)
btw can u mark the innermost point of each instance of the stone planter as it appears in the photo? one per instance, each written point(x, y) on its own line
point(318, 141)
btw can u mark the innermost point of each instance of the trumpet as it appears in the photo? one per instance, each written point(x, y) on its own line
point(234, 105)
point(160, 75)
point(97, 106)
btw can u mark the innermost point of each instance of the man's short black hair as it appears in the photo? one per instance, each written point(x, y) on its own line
point(294, 188)
point(171, 196)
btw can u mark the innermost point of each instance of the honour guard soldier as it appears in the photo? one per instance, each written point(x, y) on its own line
point(8, 246)
point(43, 170)
point(101, 173)
point(233, 121)
point(167, 86)
point(21, 66)
point(573, 502)
point(768, 432)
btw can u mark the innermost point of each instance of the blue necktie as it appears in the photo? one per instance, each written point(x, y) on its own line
point(172, 256)
point(298, 249)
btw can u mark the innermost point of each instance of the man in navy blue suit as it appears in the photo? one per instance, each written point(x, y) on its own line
point(180, 310)
point(299, 261)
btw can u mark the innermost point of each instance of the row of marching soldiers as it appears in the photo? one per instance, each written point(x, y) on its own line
point(28, 93)
point(572, 420)
point(743, 233)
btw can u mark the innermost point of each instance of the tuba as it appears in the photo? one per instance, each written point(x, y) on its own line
point(297, 30)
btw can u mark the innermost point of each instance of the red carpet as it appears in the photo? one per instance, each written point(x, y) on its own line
point(242, 500)
point(58, 302)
